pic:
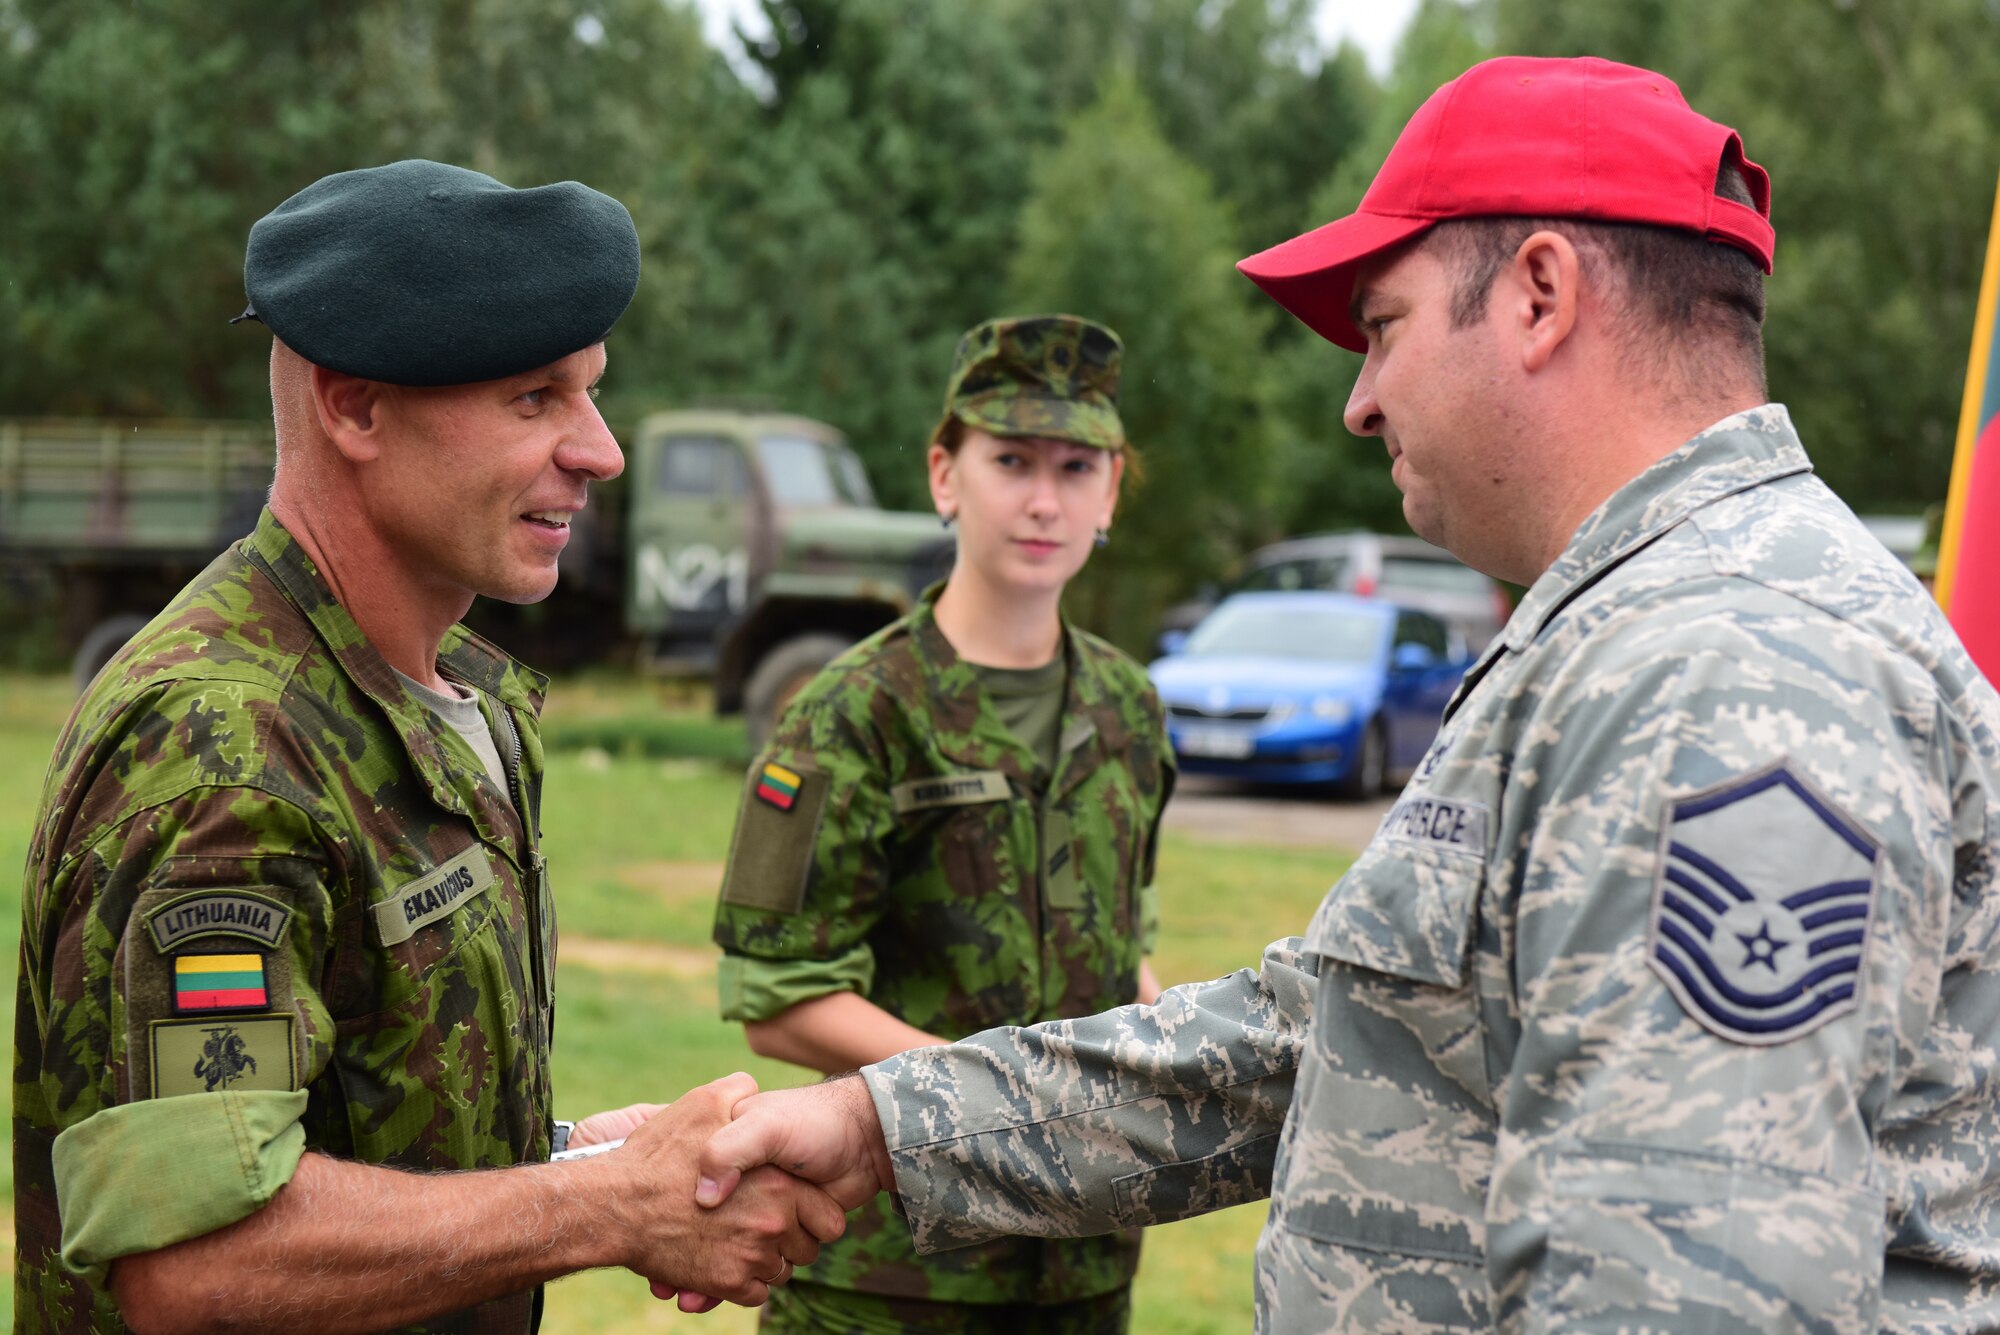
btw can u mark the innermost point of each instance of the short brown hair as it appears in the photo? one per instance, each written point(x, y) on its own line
point(1690, 305)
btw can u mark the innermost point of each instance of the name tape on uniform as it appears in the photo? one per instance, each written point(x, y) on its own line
point(218, 913)
point(423, 901)
point(1438, 822)
point(950, 790)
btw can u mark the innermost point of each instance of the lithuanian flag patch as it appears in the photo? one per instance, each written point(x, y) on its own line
point(219, 983)
point(779, 786)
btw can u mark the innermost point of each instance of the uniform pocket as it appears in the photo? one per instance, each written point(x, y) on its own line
point(1402, 910)
point(441, 1076)
point(423, 920)
point(1390, 1145)
point(1174, 1191)
point(1645, 1237)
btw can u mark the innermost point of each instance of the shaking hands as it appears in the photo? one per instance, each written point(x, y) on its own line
point(720, 1209)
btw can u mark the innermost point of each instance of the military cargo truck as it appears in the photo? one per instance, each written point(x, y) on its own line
point(746, 548)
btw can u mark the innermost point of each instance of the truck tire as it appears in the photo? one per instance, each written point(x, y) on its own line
point(779, 675)
point(103, 642)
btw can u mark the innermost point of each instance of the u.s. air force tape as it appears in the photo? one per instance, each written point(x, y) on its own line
point(218, 913)
point(950, 790)
point(1443, 823)
point(416, 904)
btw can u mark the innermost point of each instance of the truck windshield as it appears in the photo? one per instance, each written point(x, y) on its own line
point(803, 471)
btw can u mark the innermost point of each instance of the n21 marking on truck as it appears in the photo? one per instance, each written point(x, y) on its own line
point(689, 579)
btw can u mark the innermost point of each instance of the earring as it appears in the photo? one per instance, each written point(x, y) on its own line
point(1103, 538)
point(944, 521)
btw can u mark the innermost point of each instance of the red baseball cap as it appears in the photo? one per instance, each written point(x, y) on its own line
point(1527, 137)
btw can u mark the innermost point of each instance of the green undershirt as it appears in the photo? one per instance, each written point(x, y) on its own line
point(1029, 701)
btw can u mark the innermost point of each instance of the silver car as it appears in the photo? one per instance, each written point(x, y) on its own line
point(1409, 570)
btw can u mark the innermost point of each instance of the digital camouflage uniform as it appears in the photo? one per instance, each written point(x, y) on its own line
point(248, 788)
point(927, 862)
point(1667, 998)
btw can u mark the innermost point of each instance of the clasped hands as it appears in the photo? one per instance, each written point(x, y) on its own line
point(725, 1190)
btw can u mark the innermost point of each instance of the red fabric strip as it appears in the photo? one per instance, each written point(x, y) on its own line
point(218, 998)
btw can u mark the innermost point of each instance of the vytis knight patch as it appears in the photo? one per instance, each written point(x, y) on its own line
point(232, 1052)
point(1761, 907)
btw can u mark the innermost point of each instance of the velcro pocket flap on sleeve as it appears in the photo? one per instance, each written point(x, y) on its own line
point(777, 833)
point(1403, 909)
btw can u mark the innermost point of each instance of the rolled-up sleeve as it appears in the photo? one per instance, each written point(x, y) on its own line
point(192, 1120)
point(755, 989)
point(142, 1176)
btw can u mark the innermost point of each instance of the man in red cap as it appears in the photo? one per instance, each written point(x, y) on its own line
point(1668, 995)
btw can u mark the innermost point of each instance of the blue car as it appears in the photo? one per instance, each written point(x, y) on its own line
point(1309, 688)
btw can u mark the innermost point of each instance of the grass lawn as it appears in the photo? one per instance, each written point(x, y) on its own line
point(640, 799)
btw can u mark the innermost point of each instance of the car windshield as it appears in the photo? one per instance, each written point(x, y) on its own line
point(1312, 572)
point(803, 471)
point(1278, 630)
point(1416, 574)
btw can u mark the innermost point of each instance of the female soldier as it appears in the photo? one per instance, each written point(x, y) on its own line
point(954, 825)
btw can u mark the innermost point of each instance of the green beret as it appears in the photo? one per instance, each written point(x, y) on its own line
point(1050, 376)
point(419, 273)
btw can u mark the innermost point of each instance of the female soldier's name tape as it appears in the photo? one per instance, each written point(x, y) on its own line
point(950, 790)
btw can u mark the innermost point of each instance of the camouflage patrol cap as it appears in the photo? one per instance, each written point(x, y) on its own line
point(419, 273)
point(1051, 376)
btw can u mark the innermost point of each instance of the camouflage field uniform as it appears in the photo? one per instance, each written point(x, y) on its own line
point(913, 850)
point(1667, 998)
point(248, 783)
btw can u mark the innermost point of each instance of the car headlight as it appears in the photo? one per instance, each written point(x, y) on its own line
point(1331, 709)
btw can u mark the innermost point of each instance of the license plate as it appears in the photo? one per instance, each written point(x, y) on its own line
point(1219, 743)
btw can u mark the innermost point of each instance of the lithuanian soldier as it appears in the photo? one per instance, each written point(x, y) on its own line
point(288, 938)
point(954, 826)
point(1668, 997)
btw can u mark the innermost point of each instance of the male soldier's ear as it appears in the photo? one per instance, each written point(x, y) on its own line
point(347, 407)
point(1540, 291)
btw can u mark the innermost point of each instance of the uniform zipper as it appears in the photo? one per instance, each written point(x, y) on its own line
point(534, 859)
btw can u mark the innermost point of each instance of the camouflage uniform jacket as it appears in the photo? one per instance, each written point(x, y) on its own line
point(927, 862)
point(1666, 998)
point(248, 783)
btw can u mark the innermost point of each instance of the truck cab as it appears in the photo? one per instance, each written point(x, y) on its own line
point(747, 547)
point(755, 552)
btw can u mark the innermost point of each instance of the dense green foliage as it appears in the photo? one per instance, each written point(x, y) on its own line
point(884, 173)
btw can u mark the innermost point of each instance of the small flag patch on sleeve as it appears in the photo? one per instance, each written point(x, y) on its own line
point(219, 983)
point(778, 786)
